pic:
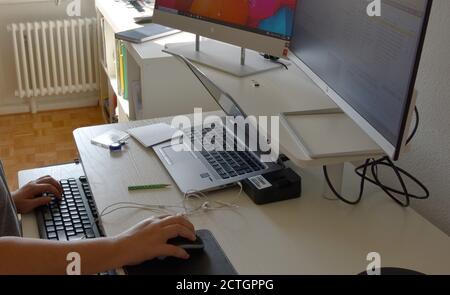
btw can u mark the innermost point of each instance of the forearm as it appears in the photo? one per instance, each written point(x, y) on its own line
point(33, 256)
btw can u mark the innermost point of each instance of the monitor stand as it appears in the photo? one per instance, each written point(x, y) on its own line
point(330, 138)
point(224, 57)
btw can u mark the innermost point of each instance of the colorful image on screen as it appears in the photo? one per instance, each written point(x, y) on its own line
point(272, 17)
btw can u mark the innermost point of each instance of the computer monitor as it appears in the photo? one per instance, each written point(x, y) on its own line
point(261, 25)
point(366, 64)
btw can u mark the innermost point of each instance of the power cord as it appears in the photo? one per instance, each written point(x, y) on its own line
point(274, 59)
point(371, 166)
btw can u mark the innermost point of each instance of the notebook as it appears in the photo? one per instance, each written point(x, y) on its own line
point(154, 134)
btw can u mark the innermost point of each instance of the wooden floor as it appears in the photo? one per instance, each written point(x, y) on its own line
point(29, 141)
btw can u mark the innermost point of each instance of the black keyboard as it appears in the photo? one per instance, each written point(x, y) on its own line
point(232, 160)
point(72, 218)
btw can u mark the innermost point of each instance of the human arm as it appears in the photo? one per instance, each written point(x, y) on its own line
point(145, 241)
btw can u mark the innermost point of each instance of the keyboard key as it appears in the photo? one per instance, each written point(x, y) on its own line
point(70, 233)
point(62, 235)
point(52, 235)
point(90, 234)
point(47, 215)
point(77, 236)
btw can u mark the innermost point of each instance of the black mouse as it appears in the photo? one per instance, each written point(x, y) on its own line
point(191, 247)
point(187, 244)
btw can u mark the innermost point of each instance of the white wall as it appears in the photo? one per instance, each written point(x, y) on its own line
point(23, 12)
point(429, 158)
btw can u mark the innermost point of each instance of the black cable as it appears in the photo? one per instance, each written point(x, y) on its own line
point(280, 63)
point(416, 126)
point(361, 191)
point(374, 164)
point(274, 59)
point(386, 161)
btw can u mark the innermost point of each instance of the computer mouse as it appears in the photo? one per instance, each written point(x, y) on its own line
point(188, 245)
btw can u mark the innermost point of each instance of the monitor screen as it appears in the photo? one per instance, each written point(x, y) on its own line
point(274, 18)
point(369, 61)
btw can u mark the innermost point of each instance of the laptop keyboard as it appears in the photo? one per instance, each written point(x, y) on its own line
point(232, 161)
point(73, 217)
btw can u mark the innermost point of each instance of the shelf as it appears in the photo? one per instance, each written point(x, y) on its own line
point(125, 104)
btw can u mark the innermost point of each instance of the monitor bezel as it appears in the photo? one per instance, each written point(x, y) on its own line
point(393, 151)
point(228, 24)
point(229, 34)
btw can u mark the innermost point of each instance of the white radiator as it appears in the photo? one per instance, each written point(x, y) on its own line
point(55, 57)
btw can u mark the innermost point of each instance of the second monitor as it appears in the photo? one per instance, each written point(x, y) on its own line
point(262, 26)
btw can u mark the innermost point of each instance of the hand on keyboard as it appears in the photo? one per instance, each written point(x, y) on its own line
point(73, 218)
point(36, 193)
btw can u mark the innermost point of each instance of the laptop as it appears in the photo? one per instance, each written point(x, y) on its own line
point(213, 157)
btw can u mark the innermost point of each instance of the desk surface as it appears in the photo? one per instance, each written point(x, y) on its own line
point(309, 235)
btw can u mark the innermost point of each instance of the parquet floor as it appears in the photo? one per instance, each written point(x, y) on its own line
point(29, 141)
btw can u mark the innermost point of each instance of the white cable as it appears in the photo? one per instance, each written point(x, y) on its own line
point(206, 205)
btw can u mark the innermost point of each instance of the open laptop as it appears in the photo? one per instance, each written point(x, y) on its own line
point(214, 157)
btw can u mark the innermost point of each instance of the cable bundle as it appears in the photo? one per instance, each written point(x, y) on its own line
point(369, 171)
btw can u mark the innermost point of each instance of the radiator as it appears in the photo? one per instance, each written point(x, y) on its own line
point(55, 57)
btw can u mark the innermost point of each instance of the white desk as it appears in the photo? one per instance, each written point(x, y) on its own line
point(309, 235)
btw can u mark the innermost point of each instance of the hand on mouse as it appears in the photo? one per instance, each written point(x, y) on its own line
point(148, 239)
